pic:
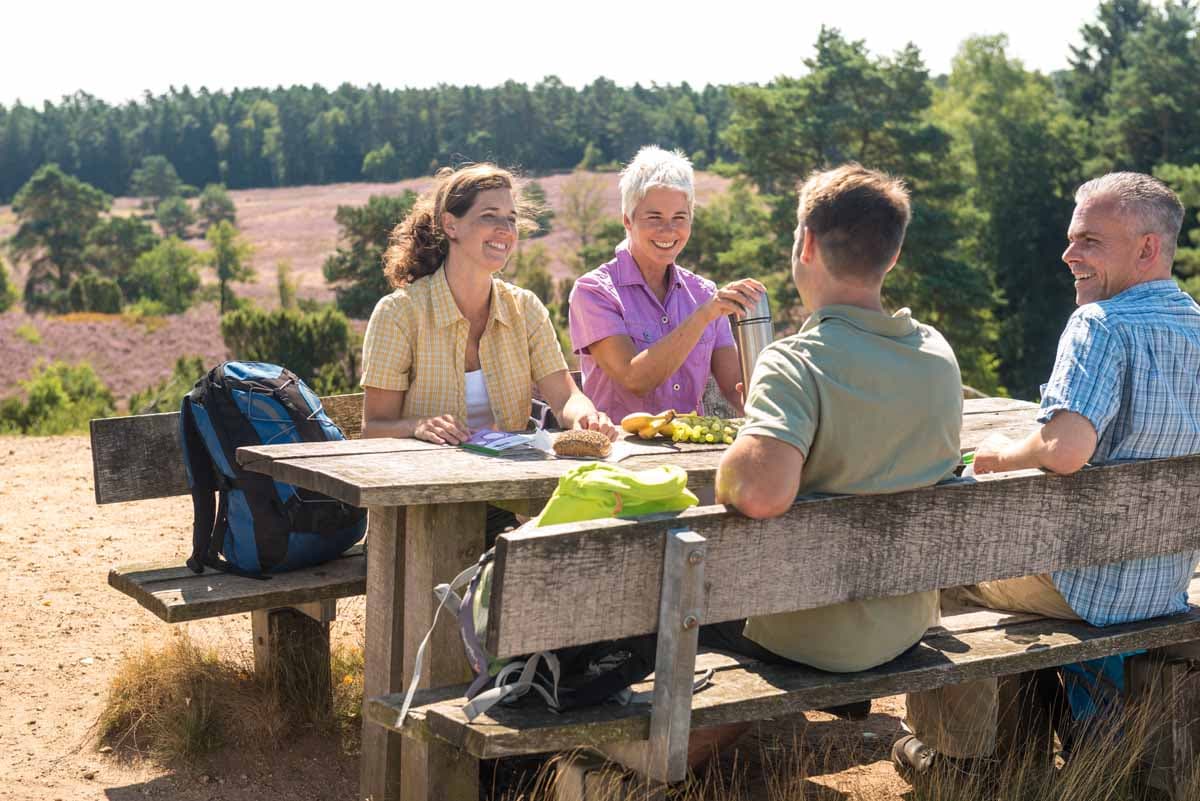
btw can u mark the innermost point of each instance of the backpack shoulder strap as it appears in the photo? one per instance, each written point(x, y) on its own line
point(202, 481)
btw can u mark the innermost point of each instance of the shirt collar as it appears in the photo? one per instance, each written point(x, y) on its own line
point(446, 312)
point(627, 273)
point(1148, 288)
point(896, 325)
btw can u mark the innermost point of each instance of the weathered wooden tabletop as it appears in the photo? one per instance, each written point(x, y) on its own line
point(405, 472)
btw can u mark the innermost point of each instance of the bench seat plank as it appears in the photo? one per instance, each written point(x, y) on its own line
point(743, 691)
point(175, 593)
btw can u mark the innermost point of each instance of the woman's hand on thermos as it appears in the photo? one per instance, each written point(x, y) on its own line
point(736, 298)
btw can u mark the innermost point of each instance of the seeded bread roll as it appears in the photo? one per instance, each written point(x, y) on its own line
point(582, 443)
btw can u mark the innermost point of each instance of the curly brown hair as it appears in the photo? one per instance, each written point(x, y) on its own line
point(418, 246)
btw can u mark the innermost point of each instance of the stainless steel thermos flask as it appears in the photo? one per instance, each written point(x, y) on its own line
point(753, 333)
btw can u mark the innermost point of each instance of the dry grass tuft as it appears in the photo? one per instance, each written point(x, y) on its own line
point(187, 699)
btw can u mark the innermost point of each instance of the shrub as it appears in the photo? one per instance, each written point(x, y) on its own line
point(316, 346)
point(286, 285)
point(92, 292)
point(175, 216)
point(60, 399)
point(8, 290)
point(356, 269)
point(216, 205)
point(29, 333)
point(166, 395)
point(166, 274)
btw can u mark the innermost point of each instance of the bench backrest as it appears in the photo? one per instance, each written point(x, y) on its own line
point(136, 458)
point(587, 582)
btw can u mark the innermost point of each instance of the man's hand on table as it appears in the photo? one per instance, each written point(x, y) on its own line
point(598, 421)
point(990, 456)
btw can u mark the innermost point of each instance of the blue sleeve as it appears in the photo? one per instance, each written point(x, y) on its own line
point(1088, 372)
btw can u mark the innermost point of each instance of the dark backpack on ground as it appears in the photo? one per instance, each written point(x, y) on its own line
point(257, 525)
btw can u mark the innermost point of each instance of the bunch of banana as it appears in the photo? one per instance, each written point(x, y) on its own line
point(649, 426)
point(694, 428)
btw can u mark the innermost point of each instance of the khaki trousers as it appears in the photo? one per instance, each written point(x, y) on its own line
point(959, 720)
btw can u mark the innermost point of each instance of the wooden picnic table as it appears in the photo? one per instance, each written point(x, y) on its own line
point(426, 522)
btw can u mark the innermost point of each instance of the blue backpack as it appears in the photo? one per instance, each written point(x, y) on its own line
point(257, 525)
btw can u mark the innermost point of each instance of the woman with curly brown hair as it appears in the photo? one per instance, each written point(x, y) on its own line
point(454, 349)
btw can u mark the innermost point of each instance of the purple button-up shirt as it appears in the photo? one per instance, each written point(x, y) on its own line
point(614, 300)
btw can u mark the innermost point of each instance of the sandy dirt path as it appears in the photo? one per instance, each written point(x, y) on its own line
point(65, 631)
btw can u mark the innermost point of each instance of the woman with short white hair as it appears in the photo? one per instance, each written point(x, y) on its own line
point(648, 332)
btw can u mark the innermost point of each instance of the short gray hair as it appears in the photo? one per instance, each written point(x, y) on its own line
point(651, 167)
point(1157, 207)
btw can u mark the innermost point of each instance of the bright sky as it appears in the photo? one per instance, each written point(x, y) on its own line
point(120, 49)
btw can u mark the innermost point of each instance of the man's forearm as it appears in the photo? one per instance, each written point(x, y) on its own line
point(1063, 445)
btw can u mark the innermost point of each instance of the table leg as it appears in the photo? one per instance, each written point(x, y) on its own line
point(418, 546)
point(383, 670)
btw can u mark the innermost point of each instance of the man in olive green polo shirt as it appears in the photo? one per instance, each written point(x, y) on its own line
point(858, 402)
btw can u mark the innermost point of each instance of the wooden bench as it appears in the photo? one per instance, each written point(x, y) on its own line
point(139, 458)
point(587, 582)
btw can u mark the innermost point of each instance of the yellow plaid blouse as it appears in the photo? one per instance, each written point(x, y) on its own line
point(417, 342)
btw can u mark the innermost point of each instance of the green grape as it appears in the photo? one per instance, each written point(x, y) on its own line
point(709, 438)
point(728, 440)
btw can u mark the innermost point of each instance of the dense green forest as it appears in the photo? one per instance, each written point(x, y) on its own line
point(310, 135)
point(992, 152)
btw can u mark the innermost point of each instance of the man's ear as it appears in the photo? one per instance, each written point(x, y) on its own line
point(809, 245)
point(895, 259)
point(1149, 249)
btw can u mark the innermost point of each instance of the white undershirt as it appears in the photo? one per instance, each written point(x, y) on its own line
point(479, 405)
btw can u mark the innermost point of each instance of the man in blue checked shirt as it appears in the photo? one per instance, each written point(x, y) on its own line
point(1126, 385)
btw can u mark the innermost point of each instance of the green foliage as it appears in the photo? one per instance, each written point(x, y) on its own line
point(530, 269)
point(54, 212)
point(144, 310)
point(356, 268)
point(167, 274)
point(60, 399)
point(228, 255)
point(1020, 144)
point(1186, 182)
point(175, 216)
point(535, 195)
point(215, 205)
point(381, 164)
point(318, 347)
point(114, 244)
point(166, 395)
point(732, 238)
point(29, 333)
point(155, 181)
point(604, 243)
point(1150, 112)
point(302, 135)
point(8, 290)
point(852, 106)
point(286, 285)
point(92, 292)
point(582, 214)
point(1093, 64)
